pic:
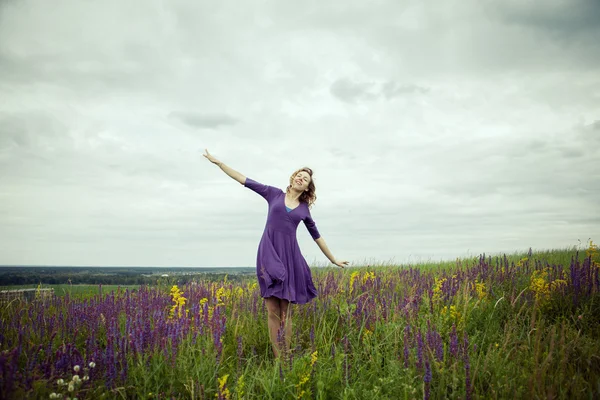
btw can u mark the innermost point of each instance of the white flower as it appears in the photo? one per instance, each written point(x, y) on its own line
point(76, 378)
point(85, 378)
point(60, 382)
point(76, 368)
point(53, 396)
point(71, 387)
point(92, 364)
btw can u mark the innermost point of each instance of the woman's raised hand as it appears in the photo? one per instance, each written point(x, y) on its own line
point(341, 264)
point(210, 157)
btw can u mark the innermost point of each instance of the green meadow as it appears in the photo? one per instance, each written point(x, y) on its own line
point(78, 291)
point(524, 325)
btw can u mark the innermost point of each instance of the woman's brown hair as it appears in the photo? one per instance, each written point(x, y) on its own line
point(309, 196)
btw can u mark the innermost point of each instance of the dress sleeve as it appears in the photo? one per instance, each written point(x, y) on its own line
point(312, 227)
point(266, 191)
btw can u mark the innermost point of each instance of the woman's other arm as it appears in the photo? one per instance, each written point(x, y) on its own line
point(323, 246)
point(228, 170)
point(314, 232)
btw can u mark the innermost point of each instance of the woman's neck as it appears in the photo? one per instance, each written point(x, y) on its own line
point(293, 195)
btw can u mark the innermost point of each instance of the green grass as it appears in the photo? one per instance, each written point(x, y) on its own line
point(78, 291)
point(517, 337)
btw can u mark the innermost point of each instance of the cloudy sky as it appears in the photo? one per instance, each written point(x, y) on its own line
point(436, 129)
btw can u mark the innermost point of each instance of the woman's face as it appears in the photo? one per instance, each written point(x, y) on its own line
point(301, 181)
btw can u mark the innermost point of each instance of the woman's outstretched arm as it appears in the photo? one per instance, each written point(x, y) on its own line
point(228, 170)
point(323, 246)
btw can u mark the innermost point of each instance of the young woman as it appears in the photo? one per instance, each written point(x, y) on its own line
point(283, 274)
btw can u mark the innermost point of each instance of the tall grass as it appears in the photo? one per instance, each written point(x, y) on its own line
point(525, 325)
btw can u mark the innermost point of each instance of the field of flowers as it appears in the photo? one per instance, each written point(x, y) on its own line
point(523, 326)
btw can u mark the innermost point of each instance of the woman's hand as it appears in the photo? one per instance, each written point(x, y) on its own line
point(211, 158)
point(341, 264)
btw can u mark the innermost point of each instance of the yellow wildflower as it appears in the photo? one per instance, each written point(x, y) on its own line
point(179, 301)
point(437, 289)
point(522, 261)
point(222, 389)
point(313, 358)
point(353, 277)
point(557, 283)
point(541, 288)
point(538, 284)
point(305, 377)
point(38, 291)
point(454, 313)
point(480, 289)
point(369, 275)
point(222, 295)
point(239, 387)
point(303, 380)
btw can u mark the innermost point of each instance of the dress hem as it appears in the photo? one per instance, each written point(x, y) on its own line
point(291, 301)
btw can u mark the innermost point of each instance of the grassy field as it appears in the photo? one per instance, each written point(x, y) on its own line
point(78, 291)
point(522, 326)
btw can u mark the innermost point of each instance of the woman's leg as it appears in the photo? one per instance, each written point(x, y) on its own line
point(273, 321)
point(286, 316)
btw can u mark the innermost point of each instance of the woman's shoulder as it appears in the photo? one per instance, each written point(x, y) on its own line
point(306, 208)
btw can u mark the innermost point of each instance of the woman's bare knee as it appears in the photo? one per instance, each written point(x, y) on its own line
point(273, 307)
point(285, 309)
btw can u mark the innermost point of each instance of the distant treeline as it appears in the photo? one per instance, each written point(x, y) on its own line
point(114, 276)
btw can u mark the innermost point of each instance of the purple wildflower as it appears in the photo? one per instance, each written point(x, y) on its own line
point(419, 350)
point(453, 342)
point(427, 380)
point(406, 345)
point(467, 367)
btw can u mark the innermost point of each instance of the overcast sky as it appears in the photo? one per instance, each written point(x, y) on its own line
point(435, 129)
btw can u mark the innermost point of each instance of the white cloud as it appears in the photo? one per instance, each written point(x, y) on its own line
point(433, 130)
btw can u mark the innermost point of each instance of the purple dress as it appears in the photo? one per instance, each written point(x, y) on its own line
point(281, 269)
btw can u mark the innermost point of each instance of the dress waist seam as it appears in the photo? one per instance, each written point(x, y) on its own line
point(285, 232)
